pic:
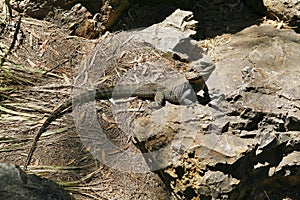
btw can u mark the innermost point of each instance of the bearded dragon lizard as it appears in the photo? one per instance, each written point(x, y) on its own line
point(182, 93)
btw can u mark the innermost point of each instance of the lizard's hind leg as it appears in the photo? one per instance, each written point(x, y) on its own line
point(159, 101)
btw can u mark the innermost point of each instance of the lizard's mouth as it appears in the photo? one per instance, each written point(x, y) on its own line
point(200, 69)
point(194, 78)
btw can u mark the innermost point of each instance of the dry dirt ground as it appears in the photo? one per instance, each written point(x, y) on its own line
point(38, 76)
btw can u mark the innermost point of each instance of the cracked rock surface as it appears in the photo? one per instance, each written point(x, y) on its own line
point(245, 143)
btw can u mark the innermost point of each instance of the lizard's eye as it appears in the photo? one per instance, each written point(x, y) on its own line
point(206, 63)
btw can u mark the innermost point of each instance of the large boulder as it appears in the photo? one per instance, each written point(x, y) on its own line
point(15, 184)
point(245, 143)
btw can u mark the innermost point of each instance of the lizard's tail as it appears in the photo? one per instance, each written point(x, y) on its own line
point(64, 108)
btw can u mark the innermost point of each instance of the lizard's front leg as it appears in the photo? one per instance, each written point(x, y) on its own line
point(159, 99)
point(205, 99)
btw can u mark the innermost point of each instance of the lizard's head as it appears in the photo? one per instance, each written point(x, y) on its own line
point(200, 70)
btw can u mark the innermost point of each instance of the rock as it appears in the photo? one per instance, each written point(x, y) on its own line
point(16, 184)
point(77, 21)
point(173, 36)
point(113, 10)
point(34, 8)
point(247, 132)
point(40, 9)
point(286, 10)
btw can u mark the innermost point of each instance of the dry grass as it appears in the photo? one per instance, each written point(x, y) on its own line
point(36, 76)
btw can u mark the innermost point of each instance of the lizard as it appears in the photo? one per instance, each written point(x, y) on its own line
point(184, 93)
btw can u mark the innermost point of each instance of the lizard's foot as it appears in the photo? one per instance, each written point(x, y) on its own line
point(205, 99)
point(151, 107)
